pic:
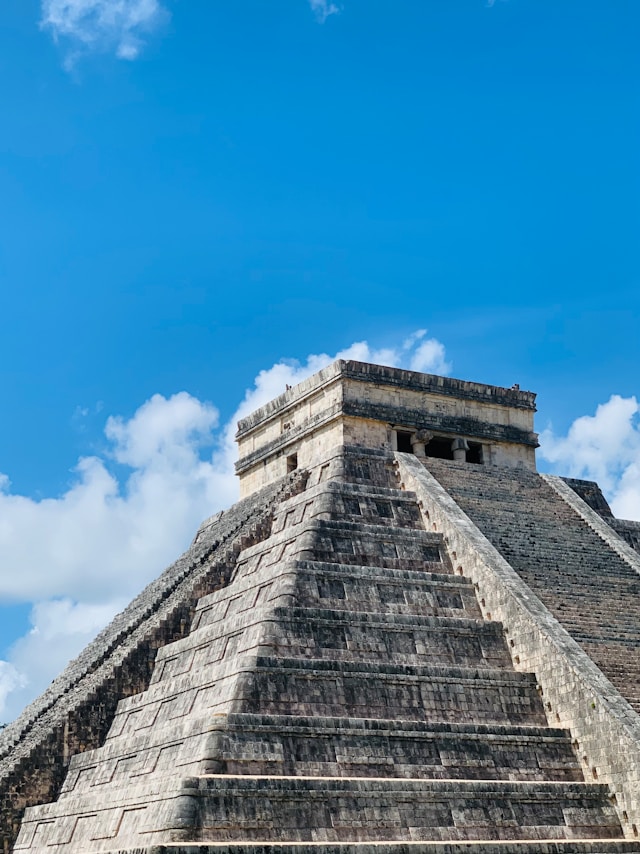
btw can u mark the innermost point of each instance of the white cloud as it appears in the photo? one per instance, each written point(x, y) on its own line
point(429, 357)
point(60, 629)
point(604, 447)
point(103, 535)
point(11, 681)
point(80, 557)
point(117, 26)
point(417, 353)
point(323, 8)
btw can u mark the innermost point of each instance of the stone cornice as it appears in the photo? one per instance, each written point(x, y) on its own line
point(391, 377)
point(439, 423)
point(288, 437)
point(434, 384)
point(402, 417)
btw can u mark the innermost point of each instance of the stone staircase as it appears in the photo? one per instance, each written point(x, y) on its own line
point(585, 584)
point(342, 690)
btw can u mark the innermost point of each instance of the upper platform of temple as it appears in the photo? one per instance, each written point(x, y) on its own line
point(380, 407)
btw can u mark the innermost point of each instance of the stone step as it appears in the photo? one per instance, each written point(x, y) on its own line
point(368, 690)
point(584, 582)
point(321, 809)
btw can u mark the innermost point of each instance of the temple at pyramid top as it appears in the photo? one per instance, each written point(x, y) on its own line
point(385, 408)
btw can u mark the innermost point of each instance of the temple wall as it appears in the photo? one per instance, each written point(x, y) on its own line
point(310, 453)
point(369, 402)
point(413, 399)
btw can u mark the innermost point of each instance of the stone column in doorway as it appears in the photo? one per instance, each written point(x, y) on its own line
point(419, 441)
point(460, 448)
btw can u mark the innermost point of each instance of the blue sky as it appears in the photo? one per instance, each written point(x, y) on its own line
point(192, 193)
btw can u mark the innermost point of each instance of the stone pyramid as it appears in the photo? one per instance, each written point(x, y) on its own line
point(402, 636)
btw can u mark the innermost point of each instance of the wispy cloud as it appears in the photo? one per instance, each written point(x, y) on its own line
point(604, 447)
point(114, 26)
point(131, 510)
point(119, 27)
point(323, 8)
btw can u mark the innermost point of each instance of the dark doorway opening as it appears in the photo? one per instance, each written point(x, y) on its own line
point(440, 448)
point(404, 441)
point(292, 463)
point(474, 454)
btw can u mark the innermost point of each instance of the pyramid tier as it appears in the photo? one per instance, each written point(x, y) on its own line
point(368, 690)
point(173, 747)
point(384, 591)
point(332, 747)
point(336, 689)
point(395, 639)
point(373, 545)
point(301, 809)
point(349, 588)
point(338, 635)
point(347, 543)
point(216, 808)
point(373, 505)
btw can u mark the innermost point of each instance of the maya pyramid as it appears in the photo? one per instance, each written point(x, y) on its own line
point(401, 639)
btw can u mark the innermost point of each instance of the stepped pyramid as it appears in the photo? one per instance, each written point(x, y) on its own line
point(401, 638)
